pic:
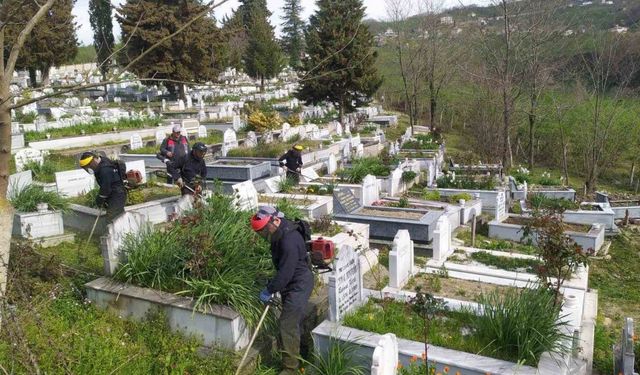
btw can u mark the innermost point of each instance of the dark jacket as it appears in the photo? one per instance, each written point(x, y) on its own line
point(289, 256)
point(180, 148)
point(293, 159)
point(188, 168)
point(112, 189)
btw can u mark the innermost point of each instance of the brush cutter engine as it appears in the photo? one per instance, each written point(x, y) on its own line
point(321, 253)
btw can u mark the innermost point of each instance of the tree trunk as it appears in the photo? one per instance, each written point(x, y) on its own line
point(33, 77)
point(506, 142)
point(181, 92)
point(6, 210)
point(633, 172)
point(565, 164)
point(532, 121)
point(432, 106)
point(261, 83)
point(45, 76)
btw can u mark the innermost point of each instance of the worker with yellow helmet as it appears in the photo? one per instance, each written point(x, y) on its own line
point(112, 195)
point(292, 161)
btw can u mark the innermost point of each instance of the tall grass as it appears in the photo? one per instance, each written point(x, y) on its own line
point(362, 167)
point(94, 127)
point(521, 324)
point(210, 254)
point(52, 164)
point(27, 199)
point(340, 359)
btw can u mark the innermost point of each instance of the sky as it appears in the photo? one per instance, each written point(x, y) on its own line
point(374, 9)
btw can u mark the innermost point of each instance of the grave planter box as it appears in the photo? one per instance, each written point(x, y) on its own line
point(488, 197)
point(457, 214)
point(557, 193)
point(91, 140)
point(233, 170)
point(385, 228)
point(150, 161)
point(47, 186)
point(621, 212)
point(38, 224)
point(593, 239)
point(317, 207)
point(216, 325)
point(82, 218)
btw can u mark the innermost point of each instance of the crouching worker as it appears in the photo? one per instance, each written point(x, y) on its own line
point(190, 172)
point(293, 280)
point(173, 148)
point(112, 195)
point(292, 161)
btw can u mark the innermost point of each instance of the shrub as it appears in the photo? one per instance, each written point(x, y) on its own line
point(289, 209)
point(465, 182)
point(264, 120)
point(27, 199)
point(95, 127)
point(52, 164)
point(286, 185)
point(340, 359)
point(521, 175)
point(541, 202)
point(408, 176)
point(431, 195)
point(360, 168)
point(546, 180)
point(457, 197)
point(520, 324)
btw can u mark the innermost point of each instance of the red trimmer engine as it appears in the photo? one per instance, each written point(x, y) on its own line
point(321, 252)
point(134, 178)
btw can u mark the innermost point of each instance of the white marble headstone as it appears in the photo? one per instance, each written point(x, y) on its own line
point(401, 259)
point(442, 239)
point(74, 183)
point(245, 196)
point(229, 141)
point(385, 356)
point(345, 283)
point(159, 137)
point(370, 190)
point(237, 123)
point(17, 182)
point(251, 140)
point(27, 155)
point(202, 132)
point(136, 142)
point(267, 137)
point(181, 105)
point(332, 164)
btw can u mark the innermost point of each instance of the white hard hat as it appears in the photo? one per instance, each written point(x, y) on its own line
point(177, 128)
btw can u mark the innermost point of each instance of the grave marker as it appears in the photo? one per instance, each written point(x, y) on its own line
point(202, 132)
point(345, 283)
point(344, 201)
point(267, 137)
point(385, 356)
point(401, 259)
point(245, 196)
point(180, 105)
point(237, 123)
point(137, 165)
point(159, 137)
point(624, 352)
point(229, 141)
point(395, 182)
point(501, 206)
point(74, 183)
point(370, 190)
point(251, 140)
point(27, 155)
point(273, 184)
point(135, 142)
point(332, 164)
point(17, 182)
point(442, 239)
point(309, 174)
point(127, 224)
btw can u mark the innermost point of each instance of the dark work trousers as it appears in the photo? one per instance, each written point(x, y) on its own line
point(293, 176)
point(115, 204)
point(294, 304)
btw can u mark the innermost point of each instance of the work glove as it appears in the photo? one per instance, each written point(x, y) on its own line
point(265, 296)
point(166, 161)
point(170, 154)
point(179, 182)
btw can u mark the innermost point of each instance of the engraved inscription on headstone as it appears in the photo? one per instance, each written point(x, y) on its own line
point(345, 283)
point(345, 201)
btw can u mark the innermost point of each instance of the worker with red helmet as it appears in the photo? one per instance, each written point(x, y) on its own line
point(293, 280)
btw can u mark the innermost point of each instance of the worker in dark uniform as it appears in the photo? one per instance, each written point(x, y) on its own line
point(173, 148)
point(190, 172)
point(293, 280)
point(112, 194)
point(293, 162)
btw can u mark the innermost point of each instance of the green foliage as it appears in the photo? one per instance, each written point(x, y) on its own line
point(324, 189)
point(360, 168)
point(326, 226)
point(262, 121)
point(431, 195)
point(191, 55)
point(520, 324)
point(85, 55)
point(102, 26)
point(541, 202)
point(293, 31)
point(289, 209)
point(52, 164)
point(408, 176)
point(263, 57)
point(421, 142)
point(340, 359)
point(483, 242)
point(27, 199)
point(457, 197)
point(95, 127)
point(340, 64)
point(286, 185)
point(28, 118)
point(465, 182)
point(211, 255)
point(506, 263)
point(271, 150)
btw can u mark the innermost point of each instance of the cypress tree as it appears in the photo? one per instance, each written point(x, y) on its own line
point(340, 64)
point(193, 55)
point(263, 57)
point(101, 23)
point(293, 31)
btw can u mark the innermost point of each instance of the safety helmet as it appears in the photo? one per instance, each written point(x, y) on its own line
point(86, 158)
point(177, 128)
point(298, 147)
point(199, 146)
point(263, 217)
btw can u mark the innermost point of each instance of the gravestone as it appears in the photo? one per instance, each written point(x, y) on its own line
point(442, 239)
point(401, 260)
point(245, 196)
point(501, 206)
point(385, 356)
point(284, 132)
point(395, 182)
point(332, 164)
point(370, 190)
point(273, 184)
point(359, 151)
point(267, 137)
point(27, 155)
point(251, 140)
point(345, 283)
point(202, 132)
point(302, 132)
point(355, 141)
point(189, 101)
point(126, 225)
point(338, 128)
point(237, 123)
point(17, 182)
point(159, 137)
point(74, 183)
point(190, 126)
point(344, 202)
point(181, 105)
point(137, 165)
point(314, 131)
point(309, 174)
point(164, 104)
point(229, 141)
point(624, 351)
point(135, 142)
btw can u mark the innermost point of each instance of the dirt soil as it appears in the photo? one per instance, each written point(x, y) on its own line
point(464, 290)
point(399, 214)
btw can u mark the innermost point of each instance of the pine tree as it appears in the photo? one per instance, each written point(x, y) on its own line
point(194, 55)
point(249, 8)
point(340, 66)
point(263, 57)
point(102, 25)
point(52, 41)
point(293, 31)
